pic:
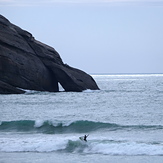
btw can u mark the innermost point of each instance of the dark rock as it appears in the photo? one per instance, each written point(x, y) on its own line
point(8, 89)
point(29, 64)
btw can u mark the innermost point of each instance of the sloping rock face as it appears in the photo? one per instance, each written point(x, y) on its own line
point(29, 64)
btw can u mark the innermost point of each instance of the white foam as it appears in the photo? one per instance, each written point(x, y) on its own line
point(57, 123)
point(27, 91)
point(125, 148)
point(67, 123)
point(51, 143)
point(38, 123)
point(90, 91)
point(36, 143)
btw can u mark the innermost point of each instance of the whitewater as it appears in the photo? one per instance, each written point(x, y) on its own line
point(124, 120)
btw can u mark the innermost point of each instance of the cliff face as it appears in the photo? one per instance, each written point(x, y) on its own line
point(29, 64)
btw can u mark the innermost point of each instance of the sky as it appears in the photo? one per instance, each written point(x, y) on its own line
point(97, 36)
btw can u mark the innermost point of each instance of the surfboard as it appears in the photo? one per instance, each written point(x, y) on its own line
point(81, 138)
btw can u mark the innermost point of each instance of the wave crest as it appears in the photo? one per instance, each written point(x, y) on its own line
point(55, 127)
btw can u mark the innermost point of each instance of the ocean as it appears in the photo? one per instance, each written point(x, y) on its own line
point(124, 120)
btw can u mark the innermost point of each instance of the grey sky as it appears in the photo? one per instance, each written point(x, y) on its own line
point(98, 36)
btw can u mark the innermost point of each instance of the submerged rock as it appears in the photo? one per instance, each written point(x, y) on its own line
point(29, 64)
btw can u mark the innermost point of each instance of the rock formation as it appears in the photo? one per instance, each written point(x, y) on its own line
point(29, 64)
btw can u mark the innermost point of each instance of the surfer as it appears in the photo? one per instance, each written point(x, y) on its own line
point(85, 137)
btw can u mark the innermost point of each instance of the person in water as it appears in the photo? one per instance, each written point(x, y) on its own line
point(85, 137)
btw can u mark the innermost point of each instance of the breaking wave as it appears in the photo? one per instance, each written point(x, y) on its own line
point(54, 127)
point(106, 147)
point(54, 136)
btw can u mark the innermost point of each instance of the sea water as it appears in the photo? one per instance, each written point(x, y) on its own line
point(124, 120)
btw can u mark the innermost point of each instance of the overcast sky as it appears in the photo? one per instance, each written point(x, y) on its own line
point(97, 36)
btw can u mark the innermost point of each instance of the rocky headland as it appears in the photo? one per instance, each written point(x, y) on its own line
point(26, 63)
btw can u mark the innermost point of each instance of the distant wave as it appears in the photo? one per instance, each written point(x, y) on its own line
point(54, 127)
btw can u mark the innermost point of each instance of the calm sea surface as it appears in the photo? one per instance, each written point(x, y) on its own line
point(124, 121)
